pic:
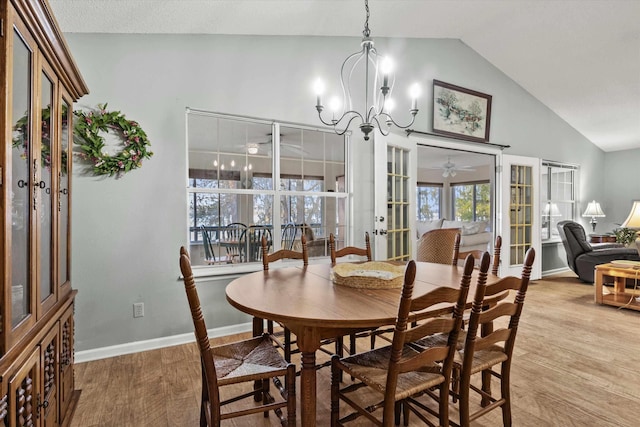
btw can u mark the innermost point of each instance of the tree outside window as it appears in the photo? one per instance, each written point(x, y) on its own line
point(471, 201)
point(429, 199)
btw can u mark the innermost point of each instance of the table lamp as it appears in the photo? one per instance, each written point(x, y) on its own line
point(595, 211)
point(633, 220)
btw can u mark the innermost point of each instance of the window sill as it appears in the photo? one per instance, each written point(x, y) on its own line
point(233, 271)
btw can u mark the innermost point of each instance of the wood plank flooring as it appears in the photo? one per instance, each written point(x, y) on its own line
point(575, 364)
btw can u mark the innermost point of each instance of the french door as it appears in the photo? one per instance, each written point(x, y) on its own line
point(395, 163)
point(520, 214)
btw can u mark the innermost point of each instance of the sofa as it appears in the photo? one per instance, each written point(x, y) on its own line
point(583, 257)
point(474, 235)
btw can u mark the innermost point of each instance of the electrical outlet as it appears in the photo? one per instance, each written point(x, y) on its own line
point(138, 309)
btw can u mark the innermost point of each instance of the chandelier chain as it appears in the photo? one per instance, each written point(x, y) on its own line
point(366, 31)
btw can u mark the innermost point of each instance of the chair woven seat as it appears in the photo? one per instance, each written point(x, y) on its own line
point(250, 365)
point(395, 373)
point(247, 360)
point(372, 368)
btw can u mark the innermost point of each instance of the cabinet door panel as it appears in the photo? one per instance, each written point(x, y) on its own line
point(50, 350)
point(66, 362)
point(23, 392)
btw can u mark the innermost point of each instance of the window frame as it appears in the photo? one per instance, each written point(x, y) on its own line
point(276, 193)
point(548, 199)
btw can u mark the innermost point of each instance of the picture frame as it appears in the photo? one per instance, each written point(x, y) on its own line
point(461, 113)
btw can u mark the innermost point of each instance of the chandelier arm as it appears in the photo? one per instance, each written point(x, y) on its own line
point(335, 122)
point(391, 120)
point(380, 128)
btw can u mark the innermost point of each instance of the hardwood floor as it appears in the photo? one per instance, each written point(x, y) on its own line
point(575, 364)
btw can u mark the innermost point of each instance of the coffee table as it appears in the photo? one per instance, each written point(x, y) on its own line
point(618, 275)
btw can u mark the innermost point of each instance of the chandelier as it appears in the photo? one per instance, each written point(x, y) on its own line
point(378, 72)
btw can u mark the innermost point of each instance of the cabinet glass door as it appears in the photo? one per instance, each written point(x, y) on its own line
point(63, 195)
point(45, 164)
point(21, 158)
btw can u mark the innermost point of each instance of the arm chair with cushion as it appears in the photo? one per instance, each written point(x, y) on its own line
point(253, 362)
point(438, 246)
point(582, 257)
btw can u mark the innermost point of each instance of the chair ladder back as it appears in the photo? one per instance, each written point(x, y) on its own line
point(283, 254)
point(349, 250)
point(202, 338)
point(481, 315)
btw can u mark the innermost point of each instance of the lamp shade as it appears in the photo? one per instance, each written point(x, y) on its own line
point(551, 210)
point(633, 220)
point(594, 210)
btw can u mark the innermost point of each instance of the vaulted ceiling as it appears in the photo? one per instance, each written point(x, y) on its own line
point(581, 58)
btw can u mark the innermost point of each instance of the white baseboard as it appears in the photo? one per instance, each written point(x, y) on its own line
point(152, 344)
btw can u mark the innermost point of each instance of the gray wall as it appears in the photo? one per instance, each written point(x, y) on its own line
point(622, 187)
point(126, 232)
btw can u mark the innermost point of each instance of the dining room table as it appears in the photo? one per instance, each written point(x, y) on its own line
point(308, 302)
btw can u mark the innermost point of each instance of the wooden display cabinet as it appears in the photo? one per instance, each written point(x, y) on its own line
point(40, 82)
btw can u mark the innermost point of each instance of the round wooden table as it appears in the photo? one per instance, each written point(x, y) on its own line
point(314, 308)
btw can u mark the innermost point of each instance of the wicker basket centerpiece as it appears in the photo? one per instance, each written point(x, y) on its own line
point(370, 275)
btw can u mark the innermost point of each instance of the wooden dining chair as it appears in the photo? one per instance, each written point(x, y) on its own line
point(230, 238)
point(348, 251)
point(282, 338)
point(289, 233)
point(489, 353)
point(438, 246)
point(209, 250)
point(477, 254)
point(386, 376)
point(255, 362)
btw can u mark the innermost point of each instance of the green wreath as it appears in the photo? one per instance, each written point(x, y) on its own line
point(87, 128)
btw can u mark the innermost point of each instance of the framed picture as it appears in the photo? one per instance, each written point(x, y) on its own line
point(461, 113)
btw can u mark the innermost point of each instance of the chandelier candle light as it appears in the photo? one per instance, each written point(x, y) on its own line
point(377, 70)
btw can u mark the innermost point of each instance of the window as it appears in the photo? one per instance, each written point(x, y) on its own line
point(471, 201)
point(250, 177)
point(557, 196)
point(429, 199)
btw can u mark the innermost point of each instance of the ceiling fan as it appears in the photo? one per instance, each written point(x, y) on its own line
point(263, 147)
point(450, 169)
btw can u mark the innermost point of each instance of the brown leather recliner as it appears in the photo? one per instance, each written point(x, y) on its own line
point(582, 257)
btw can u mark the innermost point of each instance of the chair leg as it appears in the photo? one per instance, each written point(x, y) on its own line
point(335, 390)
point(287, 345)
point(506, 394)
point(463, 399)
point(443, 400)
point(291, 395)
point(397, 411)
point(373, 340)
point(486, 387)
point(203, 400)
point(265, 395)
